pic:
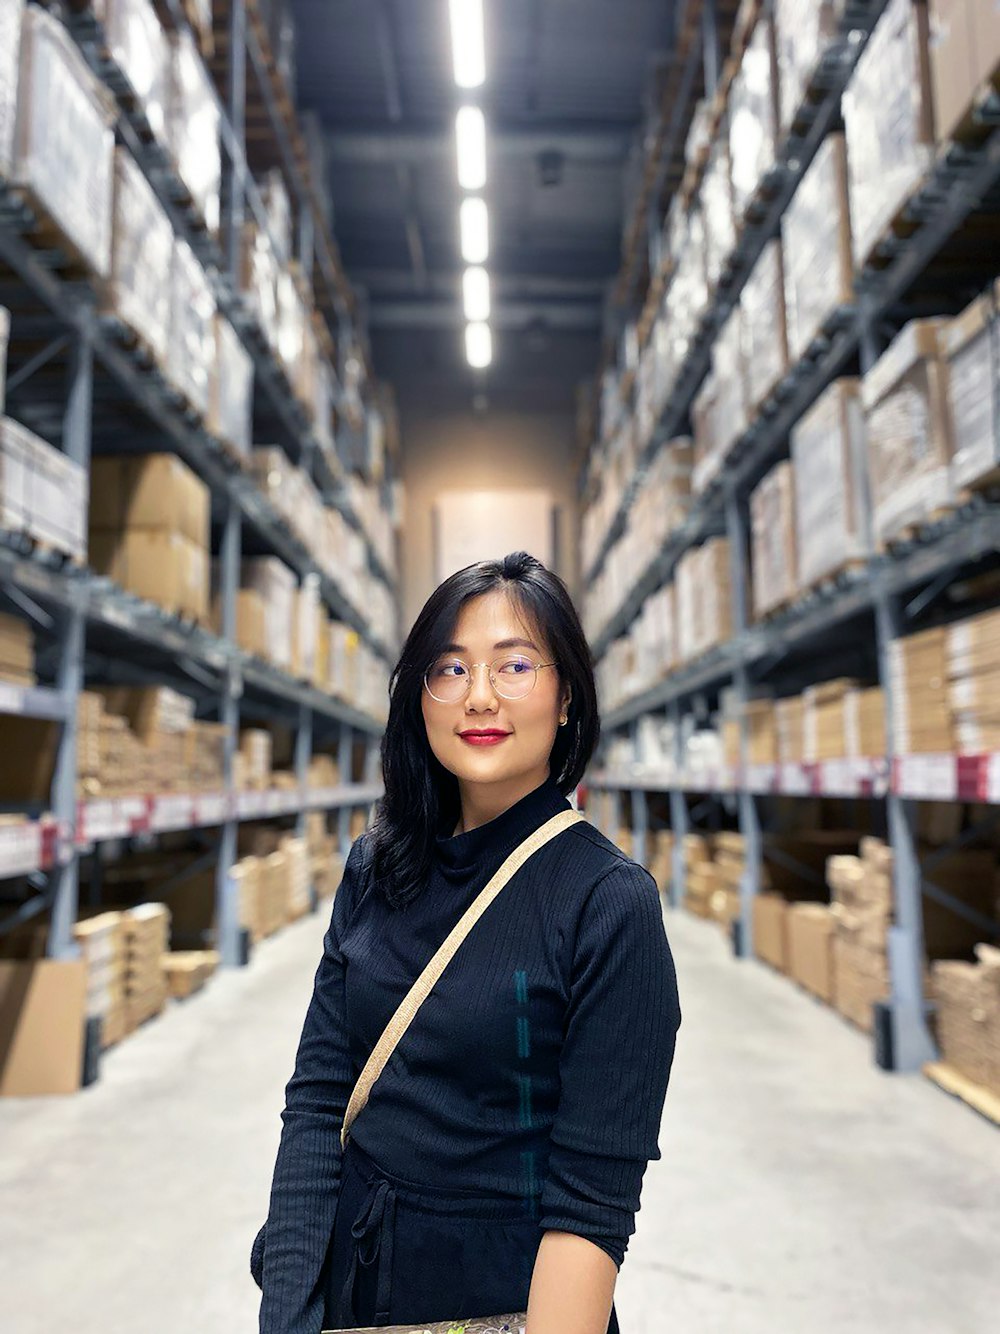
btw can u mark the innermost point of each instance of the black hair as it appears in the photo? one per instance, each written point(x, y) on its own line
point(421, 795)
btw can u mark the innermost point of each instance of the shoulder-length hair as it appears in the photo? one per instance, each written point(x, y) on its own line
point(421, 795)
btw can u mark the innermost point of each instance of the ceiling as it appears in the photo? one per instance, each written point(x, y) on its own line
point(568, 79)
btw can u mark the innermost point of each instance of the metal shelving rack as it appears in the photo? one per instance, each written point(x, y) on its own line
point(964, 179)
point(136, 641)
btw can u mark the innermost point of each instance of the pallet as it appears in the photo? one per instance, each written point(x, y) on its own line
point(45, 235)
point(981, 117)
point(982, 1100)
point(914, 531)
point(833, 581)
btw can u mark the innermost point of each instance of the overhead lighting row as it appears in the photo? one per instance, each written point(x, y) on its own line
point(469, 56)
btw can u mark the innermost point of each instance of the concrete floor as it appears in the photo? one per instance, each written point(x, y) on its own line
point(800, 1190)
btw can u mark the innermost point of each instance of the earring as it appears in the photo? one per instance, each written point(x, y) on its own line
point(563, 722)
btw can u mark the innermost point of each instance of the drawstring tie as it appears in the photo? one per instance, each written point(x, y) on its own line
point(373, 1231)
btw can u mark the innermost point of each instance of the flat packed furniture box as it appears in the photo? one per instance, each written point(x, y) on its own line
point(770, 930)
point(811, 928)
point(43, 1006)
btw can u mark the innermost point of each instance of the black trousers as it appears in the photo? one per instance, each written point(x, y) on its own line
point(402, 1252)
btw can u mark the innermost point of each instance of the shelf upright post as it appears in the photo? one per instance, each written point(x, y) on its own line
point(345, 750)
point(227, 906)
point(680, 821)
point(640, 808)
point(65, 881)
point(912, 1042)
point(236, 180)
point(749, 817)
point(710, 50)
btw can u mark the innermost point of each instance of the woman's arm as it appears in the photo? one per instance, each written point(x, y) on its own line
point(572, 1286)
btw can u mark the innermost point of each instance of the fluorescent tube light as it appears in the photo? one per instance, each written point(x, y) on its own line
point(470, 141)
point(475, 229)
point(476, 294)
point(467, 42)
point(478, 345)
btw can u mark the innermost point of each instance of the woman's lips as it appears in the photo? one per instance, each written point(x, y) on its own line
point(491, 739)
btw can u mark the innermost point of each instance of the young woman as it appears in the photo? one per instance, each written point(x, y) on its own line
point(497, 1164)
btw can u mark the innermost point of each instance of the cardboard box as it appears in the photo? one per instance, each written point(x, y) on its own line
point(165, 568)
point(11, 19)
point(770, 930)
point(970, 344)
point(986, 39)
point(774, 564)
point(765, 340)
point(155, 492)
point(811, 929)
point(968, 1016)
point(142, 241)
point(29, 747)
point(953, 63)
point(826, 444)
point(43, 493)
point(753, 115)
point(43, 1006)
point(816, 247)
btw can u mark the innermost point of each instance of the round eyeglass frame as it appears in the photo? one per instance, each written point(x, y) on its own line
point(493, 682)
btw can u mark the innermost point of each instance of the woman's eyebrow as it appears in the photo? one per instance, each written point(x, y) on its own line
point(502, 643)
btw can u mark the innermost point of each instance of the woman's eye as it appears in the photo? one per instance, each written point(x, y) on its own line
point(516, 666)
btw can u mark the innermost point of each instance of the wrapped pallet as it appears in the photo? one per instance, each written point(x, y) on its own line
point(968, 1016)
point(704, 598)
point(717, 204)
point(11, 19)
point(773, 561)
point(888, 117)
point(138, 44)
point(816, 247)
point(193, 127)
point(905, 397)
point(4, 338)
point(142, 243)
point(43, 494)
point(230, 409)
point(765, 340)
point(275, 584)
point(192, 349)
point(726, 418)
point(64, 141)
point(921, 715)
point(970, 344)
point(829, 534)
point(259, 272)
point(803, 31)
point(753, 116)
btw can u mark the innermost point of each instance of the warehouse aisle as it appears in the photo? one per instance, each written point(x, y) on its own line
point(799, 1188)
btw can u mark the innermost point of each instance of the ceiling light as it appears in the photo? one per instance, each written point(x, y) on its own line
point(478, 345)
point(475, 229)
point(476, 294)
point(470, 140)
point(467, 43)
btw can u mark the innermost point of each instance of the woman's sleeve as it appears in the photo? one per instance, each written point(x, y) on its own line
point(289, 1252)
point(617, 1051)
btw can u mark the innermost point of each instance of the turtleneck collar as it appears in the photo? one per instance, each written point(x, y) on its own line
point(485, 847)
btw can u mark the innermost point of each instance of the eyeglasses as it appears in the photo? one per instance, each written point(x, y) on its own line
point(512, 677)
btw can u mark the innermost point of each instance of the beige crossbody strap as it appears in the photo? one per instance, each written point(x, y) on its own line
point(403, 1017)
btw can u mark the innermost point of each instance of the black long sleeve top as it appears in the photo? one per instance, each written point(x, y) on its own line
point(536, 1069)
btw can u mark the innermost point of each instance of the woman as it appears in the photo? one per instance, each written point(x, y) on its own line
point(497, 1164)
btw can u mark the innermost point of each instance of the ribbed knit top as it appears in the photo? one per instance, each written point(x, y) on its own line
point(535, 1070)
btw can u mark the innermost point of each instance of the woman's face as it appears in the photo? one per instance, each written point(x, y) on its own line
point(531, 722)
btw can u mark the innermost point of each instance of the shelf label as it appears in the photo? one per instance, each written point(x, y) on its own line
point(927, 777)
point(11, 699)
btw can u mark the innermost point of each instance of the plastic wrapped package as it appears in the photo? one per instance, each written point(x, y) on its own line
point(765, 340)
point(704, 421)
point(291, 324)
point(829, 533)
point(971, 346)
point(191, 352)
point(259, 280)
point(278, 207)
point(664, 499)
point(717, 205)
point(305, 370)
point(803, 30)
point(772, 521)
point(138, 43)
point(142, 245)
point(11, 17)
point(64, 143)
point(324, 399)
point(753, 116)
point(4, 336)
point(230, 416)
point(193, 127)
point(888, 117)
point(704, 599)
point(816, 246)
point(729, 409)
point(905, 396)
point(43, 494)
point(304, 624)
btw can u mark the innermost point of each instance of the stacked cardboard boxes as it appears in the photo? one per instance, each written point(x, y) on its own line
point(255, 756)
point(968, 1015)
point(701, 877)
point(138, 44)
point(803, 30)
point(770, 929)
point(861, 888)
point(789, 722)
point(970, 344)
point(920, 700)
point(149, 530)
point(147, 935)
point(704, 599)
point(811, 929)
point(753, 115)
point(864, 722)
point(905, 396)
point(824, 722)
point(972, 656)
point(142, 243)
point(11, 20)
point(17, 651)
point(187, 971)
point(43, 494)
point(659, 857)
point(193, 127)
point(763, 327)
point(730, 863)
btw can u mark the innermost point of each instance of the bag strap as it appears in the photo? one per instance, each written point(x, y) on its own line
point(404, 1015)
